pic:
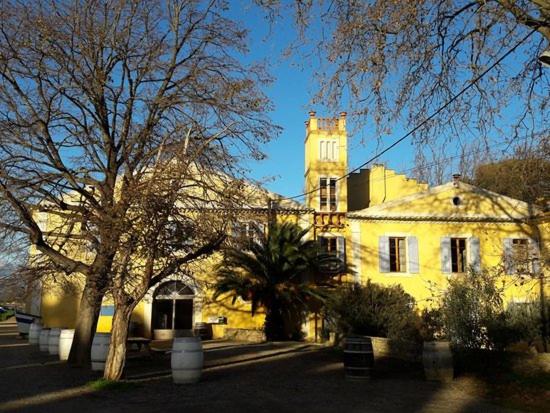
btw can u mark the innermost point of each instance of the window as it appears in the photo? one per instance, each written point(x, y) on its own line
point(247, 231)
point(398, 257)
point(520, 255)
point(328, 150)
point(335, 249)
point(327, 194)
point(329, 245)
point(458, 255)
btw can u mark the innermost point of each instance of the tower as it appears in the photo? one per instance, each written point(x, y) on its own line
point(326, 160)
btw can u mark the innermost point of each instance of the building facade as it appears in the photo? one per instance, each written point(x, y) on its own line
point(391, 229)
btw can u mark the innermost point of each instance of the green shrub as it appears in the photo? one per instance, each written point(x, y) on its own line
point(431, 325)
point(471, 303)
point(520, 322)
point(374, 310)
point(6, 315)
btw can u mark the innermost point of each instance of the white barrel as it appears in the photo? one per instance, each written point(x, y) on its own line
point(65, 344)
point(438, 361)
point(34, 332)
point(100, 349)
point(53, 341)
point(43, 339)
point(187, 359)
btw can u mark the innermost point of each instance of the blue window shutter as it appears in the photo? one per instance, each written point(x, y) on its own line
point(341, 248)
point(384, 254)
point(474, 254)
point(446, 255)
point(534, 255)
point(509, 266)
point(412, 252)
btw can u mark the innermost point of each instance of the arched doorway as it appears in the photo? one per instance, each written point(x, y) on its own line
point(172, 310)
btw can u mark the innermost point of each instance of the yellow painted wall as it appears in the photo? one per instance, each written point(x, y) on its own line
point(387, 185)
point(421, 285)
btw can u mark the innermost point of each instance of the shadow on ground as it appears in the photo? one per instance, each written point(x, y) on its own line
point(274, 377)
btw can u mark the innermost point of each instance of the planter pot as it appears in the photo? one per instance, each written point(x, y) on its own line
point(100, 350)
point(65, 344)
point(43, 339)
point(34, 332)
point(438, 361)
point(358, 358)
point(53, 341)
point(24, 321)
point(187, 360)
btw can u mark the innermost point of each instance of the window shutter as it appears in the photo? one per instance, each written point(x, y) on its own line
point(474, 254)
point(341, 248)
point(412, 251)
point(356, 249)
point(509, 266)
point(446, 255)
point(534, 255)
point(384, 253)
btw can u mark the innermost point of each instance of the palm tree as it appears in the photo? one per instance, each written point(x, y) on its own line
point(277, 273)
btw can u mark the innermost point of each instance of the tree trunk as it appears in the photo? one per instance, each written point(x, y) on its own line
point(86, 324)
point(274, 323)
point(114, 366)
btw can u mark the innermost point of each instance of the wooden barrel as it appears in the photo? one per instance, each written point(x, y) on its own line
point(34, 332)
point(65, 344)
point(100, 349)
point(43, 339)
point(438, 361)
point(358, 358)
point(53, 341)
point(187, 359)
point(203, 330)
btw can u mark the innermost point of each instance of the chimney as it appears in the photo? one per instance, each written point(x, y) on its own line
point(456, 179)
point(312, 113)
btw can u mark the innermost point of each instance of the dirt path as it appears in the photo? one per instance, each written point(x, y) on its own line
point(239, 378)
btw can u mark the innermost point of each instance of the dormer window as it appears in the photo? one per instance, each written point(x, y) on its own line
point(328, 150)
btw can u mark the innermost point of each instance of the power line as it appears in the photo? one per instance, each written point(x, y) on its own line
point(429, 118)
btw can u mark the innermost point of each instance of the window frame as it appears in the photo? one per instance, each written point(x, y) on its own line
point(461, 257)
point(329, 150)
point(398, 259)
point(328, 194)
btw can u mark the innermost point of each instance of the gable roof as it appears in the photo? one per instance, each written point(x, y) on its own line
point(436, 204)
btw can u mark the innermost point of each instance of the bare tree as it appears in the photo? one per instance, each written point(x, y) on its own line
point(93, 94)
point(397, 61)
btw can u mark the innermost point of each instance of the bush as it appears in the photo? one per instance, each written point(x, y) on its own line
point(431, 325)
point(471, 304)
point(4, 316)
point(374, 310)
point(520, 322)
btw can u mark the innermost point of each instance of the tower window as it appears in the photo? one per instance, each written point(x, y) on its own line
point(327, 194)
point(328, 150)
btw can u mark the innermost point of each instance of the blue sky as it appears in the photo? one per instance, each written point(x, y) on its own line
point(291, 93)
point(294, 85)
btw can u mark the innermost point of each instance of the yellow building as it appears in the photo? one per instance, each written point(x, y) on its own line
point(390, 228)
point(395, 230)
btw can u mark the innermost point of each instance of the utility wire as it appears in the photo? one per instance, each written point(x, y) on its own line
point(429, 118)
point(450, 158)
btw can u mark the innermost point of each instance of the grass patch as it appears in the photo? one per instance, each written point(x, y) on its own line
point(6, 315)
point(110, 385)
